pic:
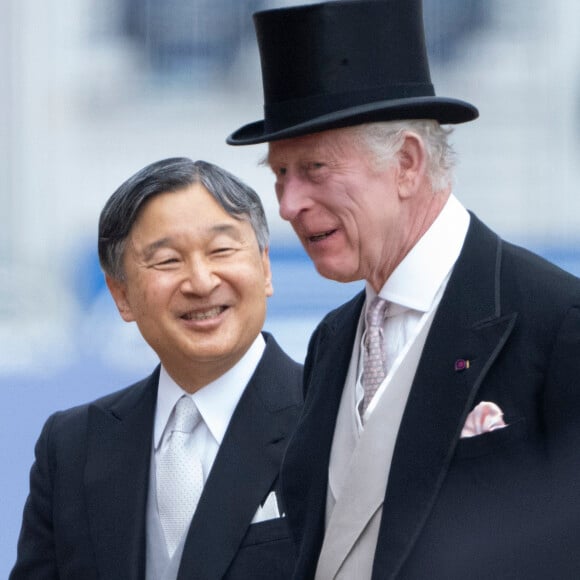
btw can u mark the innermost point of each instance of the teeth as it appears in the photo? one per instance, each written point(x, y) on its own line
point(320, 236)
point(213, 312)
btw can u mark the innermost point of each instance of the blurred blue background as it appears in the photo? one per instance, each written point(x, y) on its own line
point(93, 90)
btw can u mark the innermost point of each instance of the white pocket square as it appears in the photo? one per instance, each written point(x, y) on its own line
point(483, 418)
point(268, 510)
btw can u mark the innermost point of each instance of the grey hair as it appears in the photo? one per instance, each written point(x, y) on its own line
point(384, 139)
point(165, 176)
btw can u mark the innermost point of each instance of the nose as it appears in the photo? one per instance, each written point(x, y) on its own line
point(293, 197)
point(200, 278)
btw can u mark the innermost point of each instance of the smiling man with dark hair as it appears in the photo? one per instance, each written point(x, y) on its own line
point(175, 477)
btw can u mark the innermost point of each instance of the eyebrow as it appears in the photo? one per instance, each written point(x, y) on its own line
point(151, 248)
point(229, 229)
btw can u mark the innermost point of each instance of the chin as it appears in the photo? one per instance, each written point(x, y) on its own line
point(336, 275)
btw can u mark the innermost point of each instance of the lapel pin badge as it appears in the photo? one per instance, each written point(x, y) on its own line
point(461, 364)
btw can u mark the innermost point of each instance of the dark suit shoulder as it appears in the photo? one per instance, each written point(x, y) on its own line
point(545, 298)
point(340, 322)
point(278, 377)
point(522, 272)
point(530, 273)
point(343, 317)
point(71, 423)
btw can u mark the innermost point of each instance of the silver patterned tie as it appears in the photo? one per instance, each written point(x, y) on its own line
point(179, 475)
point(374, 357)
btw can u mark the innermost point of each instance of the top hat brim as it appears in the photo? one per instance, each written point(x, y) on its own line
point(442, 109)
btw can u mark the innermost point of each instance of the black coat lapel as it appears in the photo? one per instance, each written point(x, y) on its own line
point(469, 326)
point(305, 468)
point(246, 466)
point(117, 478)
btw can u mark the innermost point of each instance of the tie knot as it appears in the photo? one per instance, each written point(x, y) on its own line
point(187, 415)
point(376, 311)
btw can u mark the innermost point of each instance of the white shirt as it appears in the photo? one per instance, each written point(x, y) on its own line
point(216, 403)
point(414, 290)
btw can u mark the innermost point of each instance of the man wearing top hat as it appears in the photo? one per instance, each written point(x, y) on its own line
point(439, 437)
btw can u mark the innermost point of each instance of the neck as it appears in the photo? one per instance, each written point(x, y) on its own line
point(420, 221)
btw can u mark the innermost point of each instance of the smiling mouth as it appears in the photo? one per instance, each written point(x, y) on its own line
point(204, 314)
point(322, 236)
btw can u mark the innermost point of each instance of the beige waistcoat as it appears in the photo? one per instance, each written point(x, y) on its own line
point(359, 470)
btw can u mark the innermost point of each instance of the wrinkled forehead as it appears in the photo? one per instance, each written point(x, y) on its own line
point(335, 142)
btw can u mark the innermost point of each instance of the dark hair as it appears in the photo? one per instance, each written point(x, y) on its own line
point(171, 175)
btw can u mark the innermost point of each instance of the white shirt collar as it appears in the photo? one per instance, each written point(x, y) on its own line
point(216, 401)
point(416, 280)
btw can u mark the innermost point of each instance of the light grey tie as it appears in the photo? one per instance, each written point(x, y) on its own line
point(374, 355)
point(179, 474)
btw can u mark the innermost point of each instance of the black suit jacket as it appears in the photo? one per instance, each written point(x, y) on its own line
point(500, 505)
point(85, 515)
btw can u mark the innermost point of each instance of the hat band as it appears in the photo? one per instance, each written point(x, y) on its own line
point(284, 114)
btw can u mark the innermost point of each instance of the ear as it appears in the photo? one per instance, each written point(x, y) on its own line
point(267, 272)
point(118, 290)
point(412, 164)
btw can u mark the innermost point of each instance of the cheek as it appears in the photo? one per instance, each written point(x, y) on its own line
point(150, 295)
point(355, 218)
point(253, 289)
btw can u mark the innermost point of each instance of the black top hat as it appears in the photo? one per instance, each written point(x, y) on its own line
point(343, 63)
